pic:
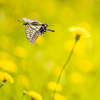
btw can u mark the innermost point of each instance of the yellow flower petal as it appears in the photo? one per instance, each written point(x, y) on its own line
point(7, 77)
point(79, 31)
point(34, 95)
point(1, 75)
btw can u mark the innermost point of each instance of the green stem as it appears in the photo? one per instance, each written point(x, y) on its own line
point(2, 83)
point(76, 39)
point(22, 97)
point(24, 93)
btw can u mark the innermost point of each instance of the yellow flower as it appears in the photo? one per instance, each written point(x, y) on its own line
point(51, 86)
point(79, 31)
point(1, 75)
point(34, 95)
point(7, 77)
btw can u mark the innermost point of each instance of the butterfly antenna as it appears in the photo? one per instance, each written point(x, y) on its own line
point(21, 22)
point(50, 25)
point(50, 29)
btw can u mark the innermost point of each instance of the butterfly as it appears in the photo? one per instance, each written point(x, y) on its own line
point(33, 29)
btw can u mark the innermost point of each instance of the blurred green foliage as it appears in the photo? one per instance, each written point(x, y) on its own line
point(34, 66)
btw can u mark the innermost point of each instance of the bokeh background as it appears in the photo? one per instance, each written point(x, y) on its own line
point(36, 67)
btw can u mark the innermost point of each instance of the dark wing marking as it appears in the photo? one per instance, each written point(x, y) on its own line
point(35, 36)
point(32, 33)
point(36, 24)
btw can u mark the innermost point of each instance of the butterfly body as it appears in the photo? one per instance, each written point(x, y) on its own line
point(34, 28)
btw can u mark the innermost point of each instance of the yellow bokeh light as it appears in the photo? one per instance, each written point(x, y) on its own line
point(68, 45)
point(57, 70)
point(76, 78)
point(52, 85)
point(40, 40)
point(59, 97)
point(79, 48)
point(20, 52)
point(23, 80)
point(85, 65)
point(8, 66)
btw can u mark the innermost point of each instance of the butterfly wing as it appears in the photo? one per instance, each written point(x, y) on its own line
point(34, 29)
point(32, 32)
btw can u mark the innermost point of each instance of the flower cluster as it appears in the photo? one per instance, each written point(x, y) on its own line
point(34, 95)
point(5, 77)
point(79, 31)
